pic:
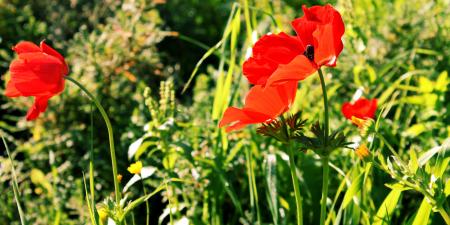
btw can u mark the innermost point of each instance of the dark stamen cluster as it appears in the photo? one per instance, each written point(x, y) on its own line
point(309, 52)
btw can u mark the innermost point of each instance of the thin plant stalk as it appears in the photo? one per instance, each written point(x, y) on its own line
point(118, 195)
point(252, 185)
point(147, 207)
point(298, 197)
point(326, 169)
point(323, 201)
point(444, 215)
point(15, 185)
point(91, 161)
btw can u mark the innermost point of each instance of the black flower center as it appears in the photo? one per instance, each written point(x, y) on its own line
point(309, 52)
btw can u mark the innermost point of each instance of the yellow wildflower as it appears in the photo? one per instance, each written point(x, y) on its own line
point(135, 168)
point(119, 177)
point(363, 124)
point(102, 213)
point(362, 151)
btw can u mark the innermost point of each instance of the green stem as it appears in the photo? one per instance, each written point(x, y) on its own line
point(110, 135)
point(325, 103)
point(147, 208)
point(298, 197)
point(444, 215)
point(254, 203)
point(326, 169)
point(323, 202)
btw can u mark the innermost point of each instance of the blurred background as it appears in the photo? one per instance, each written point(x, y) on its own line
point(136, 56)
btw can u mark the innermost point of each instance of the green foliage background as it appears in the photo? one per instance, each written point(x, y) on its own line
point(137, 56)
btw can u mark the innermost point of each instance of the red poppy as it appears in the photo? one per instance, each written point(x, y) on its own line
point(261, 105)
point(278, 58)
point(361, 109)
point(38, 72)
point(279, 61)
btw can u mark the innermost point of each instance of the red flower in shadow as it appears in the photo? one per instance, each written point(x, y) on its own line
point(362, 109)
point(38, 72)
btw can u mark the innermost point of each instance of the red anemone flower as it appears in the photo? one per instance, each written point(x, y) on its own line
point(261, 105)
point(278, 58)
point(38, 72)
point(361, 109)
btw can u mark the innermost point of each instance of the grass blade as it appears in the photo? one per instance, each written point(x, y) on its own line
point(15, 184)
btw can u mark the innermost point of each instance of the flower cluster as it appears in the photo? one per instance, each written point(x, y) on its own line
point(280, 61)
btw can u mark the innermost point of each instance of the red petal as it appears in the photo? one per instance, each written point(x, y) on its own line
point(36, 74)
point(268, 53)
point(321, 14)
point(11, 90)
point(49, 50)
point(322, 27)
point(362, 109)
point(26, 47)
point(298, 69)
point(235, 118)
point(261, 105)
point(40, 105)
point(304, 29)
point(327, 44)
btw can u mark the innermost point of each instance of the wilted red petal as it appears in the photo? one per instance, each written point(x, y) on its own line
point(298, 69)
point(40, 105)
point(261, 105)
point(26, 47)
point(269, 52)
point(362, 109)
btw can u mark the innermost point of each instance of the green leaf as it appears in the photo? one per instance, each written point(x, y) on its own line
point(234, 151)
point(387, 207)
point(355, 187)
point(447, 188)
point(442, 82)
point(415, 130)
point(413, 163)
point(429, 154)
point(423, 214)
point(425, 85)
